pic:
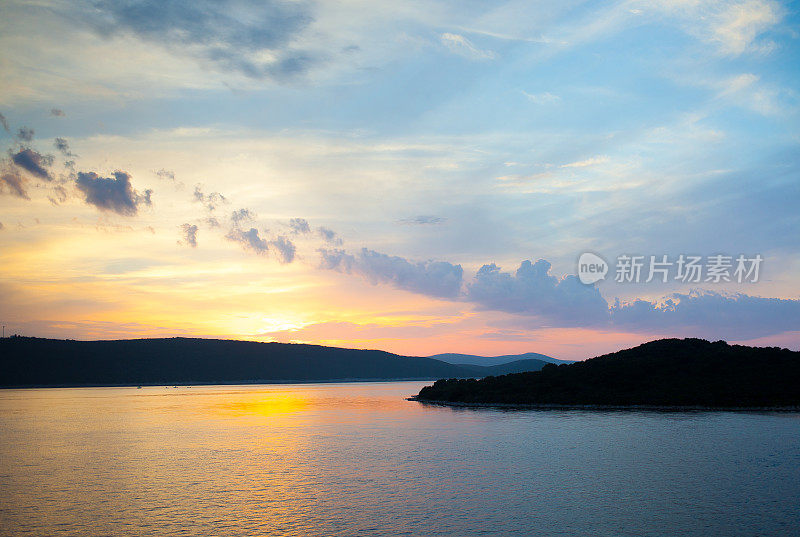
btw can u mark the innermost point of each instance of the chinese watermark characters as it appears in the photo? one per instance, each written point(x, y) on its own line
point(663, 268)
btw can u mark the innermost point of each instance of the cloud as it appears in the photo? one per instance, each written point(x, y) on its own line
point(423, 220)
point(564, 302)
point(588, 162)
point(344, 330)
point(25, 134)
point(251, 39)
point(212, 222)
point(329, 236)
point(57, 112)
point(190, 234)
point(242, 215)
point(432, 278)
point(710, 314)
point(35, 163)
point(250, 240)
point(210, 201)
point(336, 259)
point(746, 90)
point(285, 248)
point(299, 226)
point(167, 175)
point(542, 98)
point(458, 44)
point(62, 145)
point(736, 28)
point(59, 195)
point(112, 194)
point(532, 290)
point(1, 226)
point(4, 123)
point(13, 183)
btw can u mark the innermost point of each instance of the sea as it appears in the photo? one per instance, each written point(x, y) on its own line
point(358, 459)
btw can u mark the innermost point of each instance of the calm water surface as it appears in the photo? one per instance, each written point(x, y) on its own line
point(357, 459)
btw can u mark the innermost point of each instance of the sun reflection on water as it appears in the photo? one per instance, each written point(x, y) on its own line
point(265, 404)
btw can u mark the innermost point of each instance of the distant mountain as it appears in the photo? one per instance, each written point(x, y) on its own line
point(50, 362)
point(668, 372)
point(517, 366)
point(471, 359)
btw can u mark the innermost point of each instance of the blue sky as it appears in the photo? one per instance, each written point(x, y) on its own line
point(427, 136)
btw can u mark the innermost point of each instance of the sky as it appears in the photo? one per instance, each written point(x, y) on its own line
point(418, 177)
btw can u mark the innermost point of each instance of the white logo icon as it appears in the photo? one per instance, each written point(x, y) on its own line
point(591, 268)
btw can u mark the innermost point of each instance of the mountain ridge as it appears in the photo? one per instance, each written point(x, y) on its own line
point(26, 361)
point(474, 359)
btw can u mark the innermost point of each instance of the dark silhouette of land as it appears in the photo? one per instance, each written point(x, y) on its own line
point(28, 361)
point(664, 373)
point(471, 359)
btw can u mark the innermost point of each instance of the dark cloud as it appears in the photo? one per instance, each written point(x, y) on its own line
point(13, 183)
point(329, 236)
point(539, 299)
point(1, 226)
point(4, 123)
point(250, 240)
point(212, 222)
point(285, 248)
point(112, 194)
point(190, 234)
point(711, 315)
point(25, 134)
point(432, 278)
point(532, 290)
point(423, 220)
point(63, 146)
point(145, 198)
point(252, 39)
point(33, 162)
point(299, 226)
point(57, 112)
point(211, 201)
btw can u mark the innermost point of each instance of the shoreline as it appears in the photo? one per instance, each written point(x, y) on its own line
point(560, 406)
point(187, 384)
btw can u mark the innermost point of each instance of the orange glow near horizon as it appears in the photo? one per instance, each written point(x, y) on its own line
point(89, 284)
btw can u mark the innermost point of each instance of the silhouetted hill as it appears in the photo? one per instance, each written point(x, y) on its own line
point(668, 372)
point(518, 366)
point(471, 359)
point(49, 362)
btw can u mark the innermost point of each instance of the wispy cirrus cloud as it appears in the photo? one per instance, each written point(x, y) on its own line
point(543, 98)
point(251, 39)
point(592, 161)
point(458, 44)
point(423, 220)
